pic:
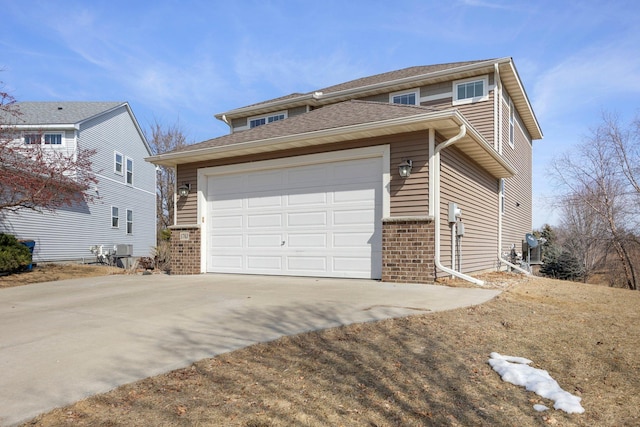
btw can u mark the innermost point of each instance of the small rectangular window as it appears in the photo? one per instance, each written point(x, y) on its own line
point(404, 98)
point(470, 90)
point(129, 221)
point(259, 121)
point(32, 138)
point(115, 218)
point(117, 163)
point(129, 171)
point(53, 138)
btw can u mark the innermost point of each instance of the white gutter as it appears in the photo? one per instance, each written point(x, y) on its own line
point(434, 189)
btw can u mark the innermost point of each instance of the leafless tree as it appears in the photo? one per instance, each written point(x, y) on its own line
point(599, 178)
point(163, 139)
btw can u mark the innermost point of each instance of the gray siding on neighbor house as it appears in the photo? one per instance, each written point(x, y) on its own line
point(476, 193)
point(68, 233)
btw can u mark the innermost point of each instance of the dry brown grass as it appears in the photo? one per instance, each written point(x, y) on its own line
point(425, 370)
point(52, 272)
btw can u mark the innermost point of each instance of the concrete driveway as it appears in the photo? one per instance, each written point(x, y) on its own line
point(63, 341)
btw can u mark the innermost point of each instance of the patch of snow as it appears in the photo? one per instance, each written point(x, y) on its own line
point(516, 370)
point(540, 408)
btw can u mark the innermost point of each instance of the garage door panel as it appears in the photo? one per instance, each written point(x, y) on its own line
point(264, 221)
point(227, 241)
point(307, 219)
point(228, 263)
point(307, 199)
point(351, 240)
point(306, 177)
point(261, 263)
point(264, 241)
point(354, 217)
point(307, 263)
point(307, 240)
point(319, 220)
point(268, 201)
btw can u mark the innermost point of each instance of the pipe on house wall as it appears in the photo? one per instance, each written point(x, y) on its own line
point(434, 189)
point(498, 145)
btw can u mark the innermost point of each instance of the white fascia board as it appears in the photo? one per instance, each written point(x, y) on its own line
point(57, 126)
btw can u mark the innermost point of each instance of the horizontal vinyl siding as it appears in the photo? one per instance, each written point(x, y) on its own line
point(476, 194)
point(68, 233)
point(517, 220)
point(410, 196)
point(187, 207)
point(480, 116)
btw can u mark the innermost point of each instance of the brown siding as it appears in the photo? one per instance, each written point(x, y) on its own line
point(187, 210)
point(518, 217)
point(236, 123)
point(476, 194)
point(410, 196)
point(480, 115)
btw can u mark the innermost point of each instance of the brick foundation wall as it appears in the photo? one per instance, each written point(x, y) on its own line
point(408, 250)
point(185, 250)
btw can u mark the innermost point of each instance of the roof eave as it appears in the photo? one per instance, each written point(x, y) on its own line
point(445, 122)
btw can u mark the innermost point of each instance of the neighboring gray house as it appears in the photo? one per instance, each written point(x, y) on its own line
point(124, 211)
point(316, 184)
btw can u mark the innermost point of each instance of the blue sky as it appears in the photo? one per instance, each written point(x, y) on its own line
point(183, 61)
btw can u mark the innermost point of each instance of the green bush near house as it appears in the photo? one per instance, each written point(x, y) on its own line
point(14, 256)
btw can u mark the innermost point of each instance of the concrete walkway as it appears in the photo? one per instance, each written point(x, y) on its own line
point(63, 341)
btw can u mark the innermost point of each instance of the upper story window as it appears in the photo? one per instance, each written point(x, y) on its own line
point(470, 90)
point(117, 163)
point(407, 98)
point(129, 171)
point(259, 121)
point(46, 138)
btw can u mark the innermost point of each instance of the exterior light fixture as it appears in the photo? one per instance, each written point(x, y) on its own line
point(404, 169)
point(183, 190)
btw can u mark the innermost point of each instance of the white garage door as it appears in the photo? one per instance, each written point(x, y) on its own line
point(315, 220)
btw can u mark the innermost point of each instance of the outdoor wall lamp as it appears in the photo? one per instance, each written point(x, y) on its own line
point(183, 190)
point(404, 169)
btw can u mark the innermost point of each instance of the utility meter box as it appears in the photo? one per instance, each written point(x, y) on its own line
point(454, 212)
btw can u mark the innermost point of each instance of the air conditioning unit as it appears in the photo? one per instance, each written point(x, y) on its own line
point(124, 250)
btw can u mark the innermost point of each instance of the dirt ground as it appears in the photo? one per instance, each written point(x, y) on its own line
point(424, 370)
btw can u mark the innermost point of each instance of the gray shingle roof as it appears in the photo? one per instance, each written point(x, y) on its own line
point(55, 112)
point(332, 116)
point(379, 78)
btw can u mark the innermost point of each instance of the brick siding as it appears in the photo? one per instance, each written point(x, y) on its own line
point(408, 250)
point(185, 250)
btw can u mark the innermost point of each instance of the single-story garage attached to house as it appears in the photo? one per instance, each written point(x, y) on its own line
point(358, 179)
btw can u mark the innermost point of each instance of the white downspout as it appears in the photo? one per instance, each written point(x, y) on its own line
point(434, 189)
point(498, 137)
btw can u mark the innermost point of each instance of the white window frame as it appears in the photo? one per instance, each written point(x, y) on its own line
point(483, 97)
point(116, 163)
point(394, 95)
point(116, 210)
point(512, 125)
point(42, 137)
point(269, 118)
point(128, 171)
point(129, 227)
